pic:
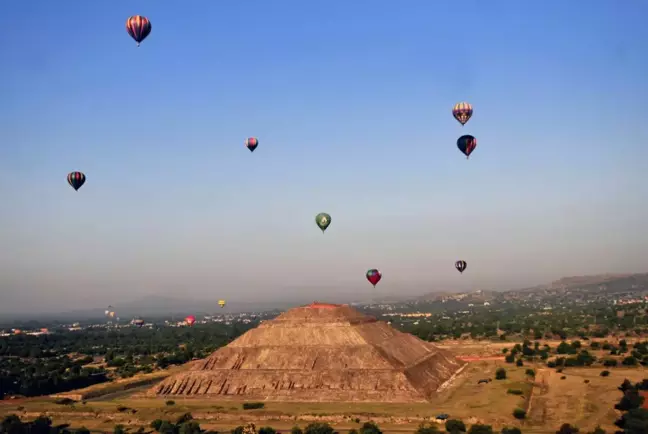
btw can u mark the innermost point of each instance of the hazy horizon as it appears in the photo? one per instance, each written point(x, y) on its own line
point(351, 102)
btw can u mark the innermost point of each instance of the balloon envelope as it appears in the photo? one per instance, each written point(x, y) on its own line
point(251, 143)
point(462, 112)
point(461, 266)
point(323, 220)
point(138, 27)
point(76, 180)
point(467, 144)
point(374, 276)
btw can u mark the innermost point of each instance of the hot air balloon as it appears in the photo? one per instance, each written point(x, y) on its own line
point(462, 112)
point(190, 320)
point(221, 303)
point(461, 266)
point(251, 143)
point(323, 221)
point(138, 27)
point(467, 144)
point(138, 322)
point(76, 180)
point(374, 276)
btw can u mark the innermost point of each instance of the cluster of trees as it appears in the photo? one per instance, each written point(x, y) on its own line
point(58, 362)
point(455, 320)
point(570, 354)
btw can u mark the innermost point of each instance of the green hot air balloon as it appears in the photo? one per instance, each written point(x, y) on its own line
point(323, 221)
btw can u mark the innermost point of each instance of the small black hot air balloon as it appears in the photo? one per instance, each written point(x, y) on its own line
point(251, 143)
point(461, 266)
point(467, 144)
point(138, 27)
point(76, 179)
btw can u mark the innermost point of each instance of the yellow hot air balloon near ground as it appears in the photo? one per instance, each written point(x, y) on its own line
point(221, 303)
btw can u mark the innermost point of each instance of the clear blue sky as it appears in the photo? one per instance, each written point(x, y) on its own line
point(351, 101)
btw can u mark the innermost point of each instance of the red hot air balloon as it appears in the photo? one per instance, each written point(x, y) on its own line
point(251, 143)
point(190, 320)
point(374, 276)
point(138, 27)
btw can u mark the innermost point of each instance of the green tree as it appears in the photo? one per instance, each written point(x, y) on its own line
point(191, 427)
point(566, 428)
point(156, 424)
point(119, 429)
point(167, 427)
point(455, 426)
point(513, 430)
point(318, 428)
point(500, 374)
point(480, 429)
point(40, 425)
point(83, 430)
point(296, 430)
point(427, 428)
point(634, 421)
point(369, 428)
point(267, 430)
point(631, 400)
point(519, 413)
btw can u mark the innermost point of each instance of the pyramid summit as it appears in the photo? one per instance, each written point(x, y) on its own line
point(319, 352)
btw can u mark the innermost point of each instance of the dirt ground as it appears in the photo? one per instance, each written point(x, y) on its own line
point(549, 400)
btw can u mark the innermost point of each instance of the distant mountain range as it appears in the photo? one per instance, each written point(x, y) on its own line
point(608, 282)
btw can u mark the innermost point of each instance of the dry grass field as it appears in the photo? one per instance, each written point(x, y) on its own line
point(550, 400)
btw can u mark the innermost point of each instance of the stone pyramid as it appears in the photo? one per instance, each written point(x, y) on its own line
point(320, 352)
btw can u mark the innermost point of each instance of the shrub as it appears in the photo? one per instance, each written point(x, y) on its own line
point(563, 377)
point(478, 428)
point(455, 426)
point(500, 374)
point(170, 403)
point(513, 430)
point(267, 430)
point(369, 428)
point(519, 362)
point(253, 405)
point(296, 430)
point(519, 413)
point(427, 428)
point(318, 428)
point(530, 373)
point(604, 373)
point(514, 392)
